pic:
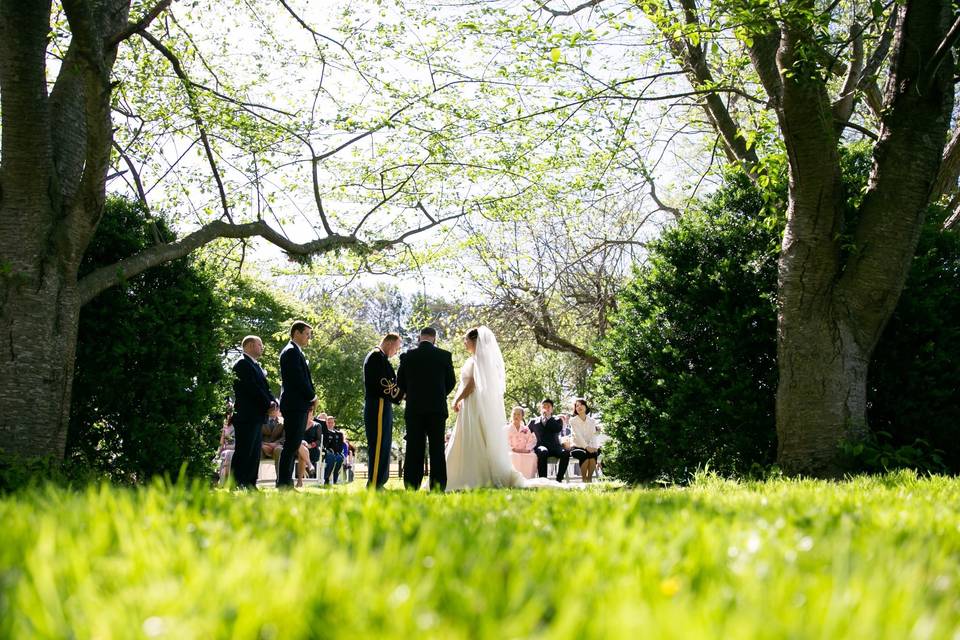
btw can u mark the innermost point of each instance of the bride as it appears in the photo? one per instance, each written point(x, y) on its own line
point(478, 455)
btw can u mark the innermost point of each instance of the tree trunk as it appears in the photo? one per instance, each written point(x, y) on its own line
point(39, 326)
point(834, 307)
point(55, 154)
point(821, 401)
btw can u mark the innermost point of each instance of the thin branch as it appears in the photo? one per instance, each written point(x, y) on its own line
point(660, 205)
point(316, 34)
point(856, 127)
point(845, 102)
point(589, 4)
point(195, 111)
point(949, 172)
point(141, 194)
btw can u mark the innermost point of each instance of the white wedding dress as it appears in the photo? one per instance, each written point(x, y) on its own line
point(478, 454)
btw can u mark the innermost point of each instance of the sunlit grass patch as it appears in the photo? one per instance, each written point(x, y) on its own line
point(868, 558)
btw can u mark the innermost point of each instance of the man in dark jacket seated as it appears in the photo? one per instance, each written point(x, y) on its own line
point(547, 428)
point(333, 451)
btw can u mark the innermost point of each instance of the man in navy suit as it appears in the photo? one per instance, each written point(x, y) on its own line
point(547, 428)
point(254, 401)
point(297, 398)
point(426, 378)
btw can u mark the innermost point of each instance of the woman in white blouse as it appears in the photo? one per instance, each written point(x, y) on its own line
point(586, 439)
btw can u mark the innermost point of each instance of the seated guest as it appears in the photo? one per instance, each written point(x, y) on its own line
point(521, 441)
point(547, 428)
point(272, 447)
point(272, 438)
point(586, 439)
point(225, 452)
point(333, 450)
point(348, 457)
point(313, 437)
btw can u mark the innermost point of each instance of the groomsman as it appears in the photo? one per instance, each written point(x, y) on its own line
point(297, 398)
point(547, 428)
point(254, 401)
point(380, 393)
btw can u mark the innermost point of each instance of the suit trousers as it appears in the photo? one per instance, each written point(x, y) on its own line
point(246, 454)
point(378, 423)
point(424, 428)
point(552, 452)
point(294, 428)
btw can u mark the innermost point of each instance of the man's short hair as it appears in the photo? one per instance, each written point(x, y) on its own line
point(247, 340)
point(428, 331)
point(299, 327)
point(391, 337)
point(547, 401)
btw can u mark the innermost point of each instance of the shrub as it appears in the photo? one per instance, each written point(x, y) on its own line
point(149, 373)
point(689, 365)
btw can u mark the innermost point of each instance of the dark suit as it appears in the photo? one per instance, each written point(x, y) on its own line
point(425, 378)
point(296, 395)
point(548, 445)
point(252, 402)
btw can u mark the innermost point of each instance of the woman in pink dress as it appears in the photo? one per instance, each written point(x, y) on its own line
point(521, 441)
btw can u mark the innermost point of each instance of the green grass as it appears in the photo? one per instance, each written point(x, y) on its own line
point(870, 558)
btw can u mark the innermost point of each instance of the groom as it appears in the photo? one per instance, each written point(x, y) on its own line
point(426, 378)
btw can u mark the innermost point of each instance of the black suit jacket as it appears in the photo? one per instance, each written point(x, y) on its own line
point(426, 378)
point(379, 380)
point(251, 392)
point(548, 433)
point(297, 390)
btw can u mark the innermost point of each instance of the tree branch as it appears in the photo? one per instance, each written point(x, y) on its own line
point(139, 25)
point(844, 104)
point(906, 163)
point(763, 54)
point(105, 277)
point(138, 183)
point(317, 35)
point(943, 50)
point(653, 195)
point(949, 172)
point(588, 4)
point(692, 58)
point(86, 94)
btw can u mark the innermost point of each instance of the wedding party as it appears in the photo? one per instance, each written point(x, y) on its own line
point(483, 449)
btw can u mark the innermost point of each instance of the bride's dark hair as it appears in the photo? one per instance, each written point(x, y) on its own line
point(473, 334)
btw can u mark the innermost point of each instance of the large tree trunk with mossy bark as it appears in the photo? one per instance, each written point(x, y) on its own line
point(837, 292)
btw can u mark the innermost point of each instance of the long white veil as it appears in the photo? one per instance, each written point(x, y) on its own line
point(489, 375)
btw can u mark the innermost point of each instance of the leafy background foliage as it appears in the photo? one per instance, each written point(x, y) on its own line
point(689, 372)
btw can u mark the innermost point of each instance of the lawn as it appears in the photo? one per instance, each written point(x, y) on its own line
point(868, 558)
